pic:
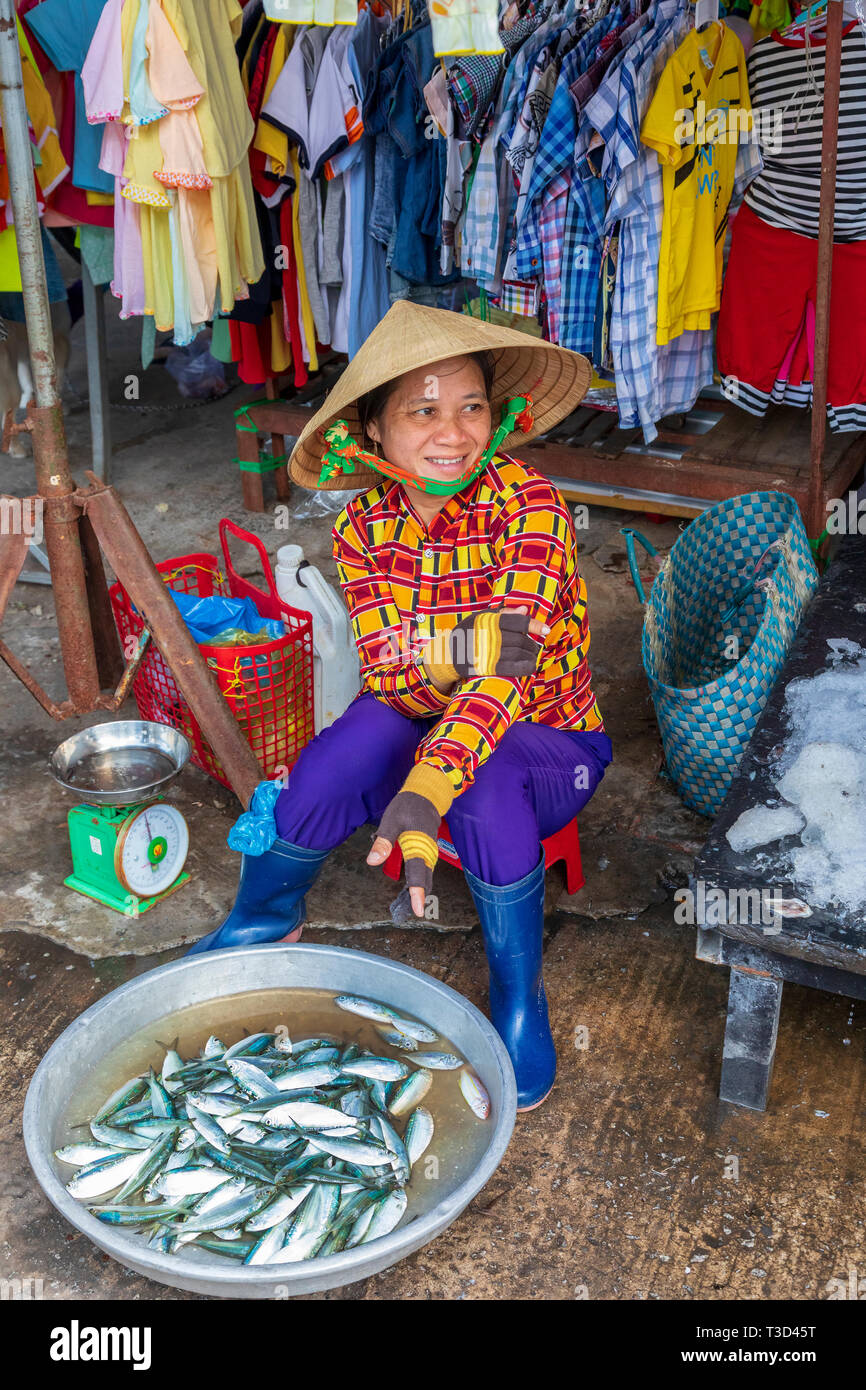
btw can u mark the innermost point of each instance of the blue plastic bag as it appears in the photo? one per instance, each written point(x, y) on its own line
point(255, 831)
point(206, 618)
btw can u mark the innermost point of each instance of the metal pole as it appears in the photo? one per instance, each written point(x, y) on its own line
point(816, 518)
point(53, 479)
point(97, 379)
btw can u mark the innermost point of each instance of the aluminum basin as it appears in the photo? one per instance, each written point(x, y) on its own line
point(197, 979)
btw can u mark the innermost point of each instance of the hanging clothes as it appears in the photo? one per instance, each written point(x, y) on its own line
point(766, 331)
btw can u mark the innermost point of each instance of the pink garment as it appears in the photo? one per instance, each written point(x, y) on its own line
point(128, 282)
point(102, 73)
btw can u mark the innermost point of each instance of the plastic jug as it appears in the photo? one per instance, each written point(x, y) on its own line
point(336, 670)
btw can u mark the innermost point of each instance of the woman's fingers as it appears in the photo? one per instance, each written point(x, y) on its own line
point(418, 899)
point(538, 628)
point(379, 851)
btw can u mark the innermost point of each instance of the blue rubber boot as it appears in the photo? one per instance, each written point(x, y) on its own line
point(512, 920)
point(270, 900)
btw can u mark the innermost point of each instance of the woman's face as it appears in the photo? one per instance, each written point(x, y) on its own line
point(436, 422)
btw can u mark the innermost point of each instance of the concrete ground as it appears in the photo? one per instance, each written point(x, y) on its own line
point(633, 1181)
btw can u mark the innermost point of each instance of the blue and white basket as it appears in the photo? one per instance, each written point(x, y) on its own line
point(720, 621)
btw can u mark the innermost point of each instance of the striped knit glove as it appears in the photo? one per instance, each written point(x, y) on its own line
point(492, 643)
point(412, 819)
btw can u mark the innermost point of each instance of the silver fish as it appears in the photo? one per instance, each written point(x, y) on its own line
point(411, 1092)
point(188, 1182)
point(404, 1041)
point(365, 1008)
point(418, 1134)
point(474, 1094)
point(437, 1061)
point(357, 1151)
point(280, 1208)
point(307, 1078)
point(376, 1068)
point(98, 1179)
point(304, 1114)
point(79, 1155)
point(251, 1079)
point(387, 1213)
point(416, 1030)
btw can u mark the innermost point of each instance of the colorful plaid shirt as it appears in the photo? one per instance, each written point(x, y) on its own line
point(506, 541)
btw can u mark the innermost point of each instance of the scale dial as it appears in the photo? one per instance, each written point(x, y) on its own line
point(151, 850)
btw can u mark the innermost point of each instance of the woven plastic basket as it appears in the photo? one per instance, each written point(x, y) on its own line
point(268, 686)
point(721, 618)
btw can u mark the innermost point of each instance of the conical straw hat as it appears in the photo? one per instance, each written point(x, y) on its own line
point(410, 336)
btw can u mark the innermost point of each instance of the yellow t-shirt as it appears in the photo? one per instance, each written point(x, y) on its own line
point(695, 121)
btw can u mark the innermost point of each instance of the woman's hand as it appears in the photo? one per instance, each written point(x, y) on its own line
point(412, 819)
point(494, 642)
point(412, 822)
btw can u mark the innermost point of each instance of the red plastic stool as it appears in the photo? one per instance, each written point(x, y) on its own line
point(563, 845)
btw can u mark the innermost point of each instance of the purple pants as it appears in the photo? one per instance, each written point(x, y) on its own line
point(533, 784)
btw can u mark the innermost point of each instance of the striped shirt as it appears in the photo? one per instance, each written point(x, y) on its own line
point(506, 541)
point(788, 118)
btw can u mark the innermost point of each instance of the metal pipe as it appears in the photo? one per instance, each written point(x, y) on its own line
point(53, 478)
point(28, 236)
point(815, 518)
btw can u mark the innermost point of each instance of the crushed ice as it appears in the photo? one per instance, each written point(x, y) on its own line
point(822, 778)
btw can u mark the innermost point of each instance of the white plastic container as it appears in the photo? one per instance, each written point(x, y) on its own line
point(336, 670)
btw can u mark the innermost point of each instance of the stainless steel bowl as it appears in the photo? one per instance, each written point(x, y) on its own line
point(120, 762)
point(198, 979)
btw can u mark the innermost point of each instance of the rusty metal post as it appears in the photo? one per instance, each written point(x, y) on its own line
point(129, 558)
point(816, 517)
point(53, 480)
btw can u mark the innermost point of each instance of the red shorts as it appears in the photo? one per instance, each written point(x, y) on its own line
point(766, 332)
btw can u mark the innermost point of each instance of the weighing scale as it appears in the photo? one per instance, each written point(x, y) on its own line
point(129, 845)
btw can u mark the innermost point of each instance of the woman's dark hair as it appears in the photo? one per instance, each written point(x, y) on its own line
point(372, 403)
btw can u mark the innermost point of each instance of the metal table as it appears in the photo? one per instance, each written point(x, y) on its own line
point(826, 949)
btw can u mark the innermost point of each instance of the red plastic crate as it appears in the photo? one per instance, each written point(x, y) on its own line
point(269, 686)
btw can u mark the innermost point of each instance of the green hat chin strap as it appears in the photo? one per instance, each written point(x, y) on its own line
point(343, 454)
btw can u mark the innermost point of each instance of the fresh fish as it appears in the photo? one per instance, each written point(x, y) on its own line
point(317, 1056)
point(215, 1102)
point(171, 1065)
point(188, 1182)
point(252, 1079)
point(228, 1214)
point(387, 1213)
point(208, 1128)
point(438, 1061)
point(308, 1078)
point(122, 1097)
point(411, 1092)
point(153, 1161)
point(249, 1047)
point(79, 1155)
point(133, 1216)
point(364, 1152)
point(98, 1179)
point(474, 1094)
point(268, 1244)
point(160, 1100)
point(404, 1041)
point(213, 1047)
point(394, 1144)
point(365, 1008)
point(418, 1134)
point(310, 1227)
point(416, 1030)
point(307, 1115)
point(237, 1249)
point(376, 1068)
point(115, 1138)
point(280, 1209)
